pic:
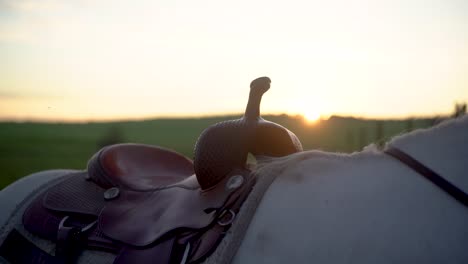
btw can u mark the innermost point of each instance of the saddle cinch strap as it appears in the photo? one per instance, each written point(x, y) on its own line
point(100, 209)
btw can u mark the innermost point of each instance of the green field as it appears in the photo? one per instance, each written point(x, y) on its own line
point(30, 147)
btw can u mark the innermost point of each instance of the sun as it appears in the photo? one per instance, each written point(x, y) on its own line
point(312, 117)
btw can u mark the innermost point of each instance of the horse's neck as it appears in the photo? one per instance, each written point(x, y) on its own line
point(443, 148)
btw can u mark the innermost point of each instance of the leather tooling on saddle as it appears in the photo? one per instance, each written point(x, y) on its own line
point(149, 204)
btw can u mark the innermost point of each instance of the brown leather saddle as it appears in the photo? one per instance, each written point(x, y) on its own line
point(150, 204)
point(141, 202)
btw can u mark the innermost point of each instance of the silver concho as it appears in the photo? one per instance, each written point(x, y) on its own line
point(235, 182)
point(111, 193)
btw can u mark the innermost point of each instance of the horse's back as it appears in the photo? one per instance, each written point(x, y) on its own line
point(361, 208)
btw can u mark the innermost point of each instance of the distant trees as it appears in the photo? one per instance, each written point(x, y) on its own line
point(379, 133)
point(113, 135)
point(460, 109)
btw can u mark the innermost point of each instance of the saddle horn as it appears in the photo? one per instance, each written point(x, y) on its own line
point(224, 146)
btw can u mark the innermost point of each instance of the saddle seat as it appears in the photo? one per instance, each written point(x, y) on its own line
point(138, 167)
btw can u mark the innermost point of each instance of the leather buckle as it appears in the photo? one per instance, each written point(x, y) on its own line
point(69, 239)
point(229, 220)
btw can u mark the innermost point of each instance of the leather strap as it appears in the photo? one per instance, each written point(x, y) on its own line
point(17, 249)
point(431, 175)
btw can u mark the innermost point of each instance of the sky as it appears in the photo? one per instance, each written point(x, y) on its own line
point(87, 60)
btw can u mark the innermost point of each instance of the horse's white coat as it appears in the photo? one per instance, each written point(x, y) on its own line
point(443, 148)
point(337, 208)
point(364, 207)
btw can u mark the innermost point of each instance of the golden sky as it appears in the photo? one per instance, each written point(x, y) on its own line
point(109, 59)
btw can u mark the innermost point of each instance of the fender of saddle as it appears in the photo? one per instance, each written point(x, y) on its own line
point(139, 195)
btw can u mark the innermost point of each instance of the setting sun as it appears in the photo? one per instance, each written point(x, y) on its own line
point(311, 117)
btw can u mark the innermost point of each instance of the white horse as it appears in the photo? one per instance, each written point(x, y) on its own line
point(365, 207)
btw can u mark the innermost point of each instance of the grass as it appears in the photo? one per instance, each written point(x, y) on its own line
point(30, 147)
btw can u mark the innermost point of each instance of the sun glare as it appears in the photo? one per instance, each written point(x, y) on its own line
point(312, 117)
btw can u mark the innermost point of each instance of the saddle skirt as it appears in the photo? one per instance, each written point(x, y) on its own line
point(139, 201)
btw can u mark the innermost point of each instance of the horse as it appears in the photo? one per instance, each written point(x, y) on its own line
point(363, 207)
point(404, 203)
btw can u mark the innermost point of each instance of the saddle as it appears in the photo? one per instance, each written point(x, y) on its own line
point(137, 201)
point(149, 204)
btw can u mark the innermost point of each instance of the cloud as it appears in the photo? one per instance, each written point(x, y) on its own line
point(28, 6)
point(19, 20)
point(32, 21)
point(20, 95)
point(10, 95)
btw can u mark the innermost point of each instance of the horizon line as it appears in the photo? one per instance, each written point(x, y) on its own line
point(218, 115)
